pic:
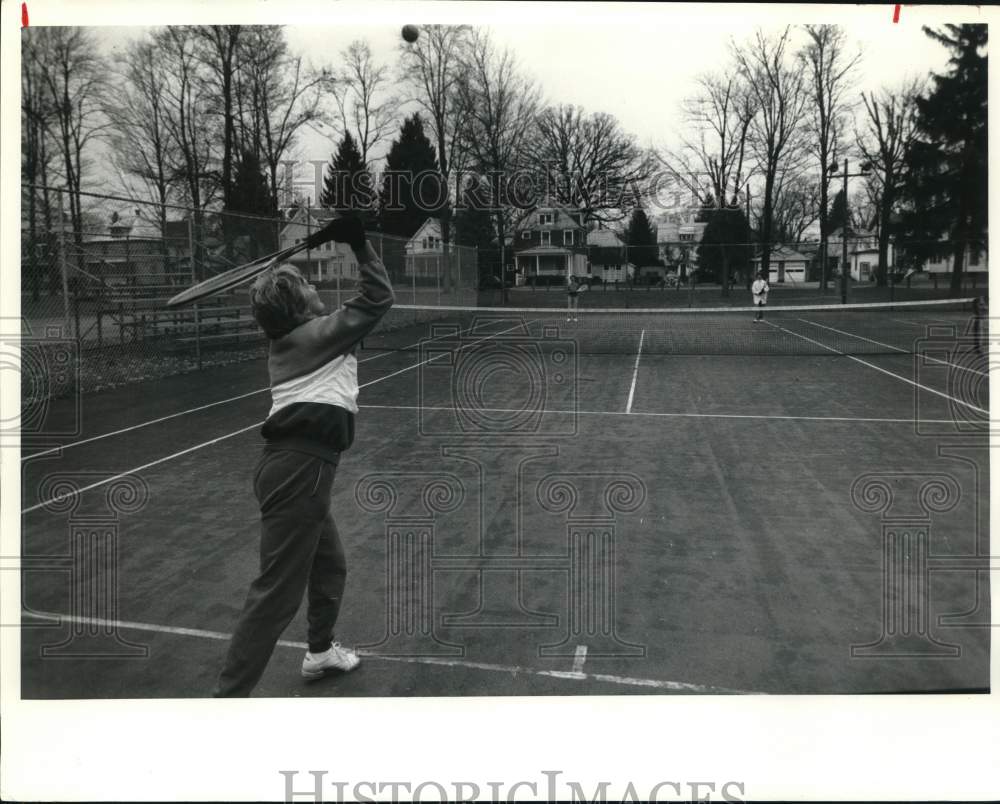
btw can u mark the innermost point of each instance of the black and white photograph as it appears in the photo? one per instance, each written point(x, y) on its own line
point(436, 360)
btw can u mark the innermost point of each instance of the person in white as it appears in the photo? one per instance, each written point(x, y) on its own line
point(759, 289)
point(574, 287)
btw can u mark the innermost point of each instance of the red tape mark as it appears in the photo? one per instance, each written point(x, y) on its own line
point(895, 13)
point(24, 15)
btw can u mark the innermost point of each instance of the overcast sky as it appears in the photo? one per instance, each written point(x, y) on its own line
point(635, 61)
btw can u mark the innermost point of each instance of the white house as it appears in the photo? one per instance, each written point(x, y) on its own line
point(328, 262)
point(608, 256)
point(425, 250)
point(975, 263)
point(786, 265)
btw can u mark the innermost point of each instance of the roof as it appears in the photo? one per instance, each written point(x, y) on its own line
point(779, 252)
point(429, 225)
point(606, 238)
point(544, 251)
point(561, 218)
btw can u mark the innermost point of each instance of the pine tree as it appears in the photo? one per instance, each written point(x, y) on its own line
point(837, 216)
point(640, 237)
point(724, 251)
point(251, 204)
point(474, 222)
point(347, 183)
point(411, 187)
point(946, 191)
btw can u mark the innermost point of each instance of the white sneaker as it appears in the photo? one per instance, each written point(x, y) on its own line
point(316, 665)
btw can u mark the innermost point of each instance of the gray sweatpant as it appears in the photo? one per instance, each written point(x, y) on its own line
point(299, 549)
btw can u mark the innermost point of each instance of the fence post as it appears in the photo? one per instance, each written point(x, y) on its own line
point(62, 267)
point(197, 314)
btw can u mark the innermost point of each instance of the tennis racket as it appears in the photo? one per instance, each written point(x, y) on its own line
point(242, 274)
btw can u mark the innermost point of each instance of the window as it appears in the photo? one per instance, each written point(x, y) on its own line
point(544, 218)
point(546, 238)
point(685, 238)
point(423, 244)
point(526, 234)
point(568, 237)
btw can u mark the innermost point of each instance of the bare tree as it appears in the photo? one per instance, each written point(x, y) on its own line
point(141, 146)
point(37, 157)
point(187, 116)
point(364, 106)
point(890, 126)
point(72, 75)
point(219, 53)
point(277, 97)
point(501, 103)
point(590, 162)
point(432, 65)
point(779, 93)
point(714, 160)
point(796, 207)
point(829, 69)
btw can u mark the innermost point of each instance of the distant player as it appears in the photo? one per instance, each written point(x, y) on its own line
point(760, 289)
point(574, 288)
point(314, 390)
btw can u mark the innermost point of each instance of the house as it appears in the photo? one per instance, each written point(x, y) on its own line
point(424, 253)
point(550, 245)
point(132, 252)
point(678, 242)
point(785, 264)
point(330, 262)
point(975, 264)
point(862, 253)
point(608, 257)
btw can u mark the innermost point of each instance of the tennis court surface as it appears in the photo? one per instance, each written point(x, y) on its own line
point(637, 501)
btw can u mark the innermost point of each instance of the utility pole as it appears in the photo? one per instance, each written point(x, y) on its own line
point(834, 169)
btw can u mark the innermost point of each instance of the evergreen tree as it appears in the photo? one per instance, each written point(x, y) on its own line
point(474, 221)
point(246, 224)
point(947, 181)
point(838, 213)
point(411, 187)
point(640, 237)
point(724, 251)
point(347, 183)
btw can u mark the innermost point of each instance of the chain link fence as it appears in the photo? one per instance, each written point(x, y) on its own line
point(93, 296)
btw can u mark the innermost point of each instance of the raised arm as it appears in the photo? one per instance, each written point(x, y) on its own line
point(342, 329)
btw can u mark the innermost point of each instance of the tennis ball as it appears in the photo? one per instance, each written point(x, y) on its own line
point(410, 33)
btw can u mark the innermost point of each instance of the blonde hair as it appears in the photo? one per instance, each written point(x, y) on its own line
point(278, 300)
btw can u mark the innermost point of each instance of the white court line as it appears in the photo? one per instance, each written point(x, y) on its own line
point(676, 415)
point(896, 348)
point(98, 484)
point(139, 426)
point(511, 670)
point(899, 377)
point(926, 321)
point(635, 373)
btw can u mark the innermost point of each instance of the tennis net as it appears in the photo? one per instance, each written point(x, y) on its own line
point(854, 329)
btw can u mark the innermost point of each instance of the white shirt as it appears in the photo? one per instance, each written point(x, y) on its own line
point(334, 383)
point(759, 287)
